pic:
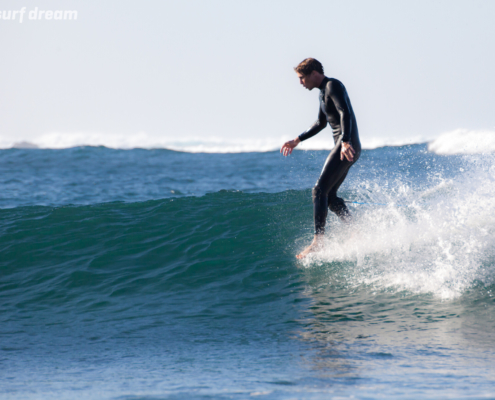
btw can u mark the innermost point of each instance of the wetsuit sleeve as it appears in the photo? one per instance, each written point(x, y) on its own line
point(316, 127)
point(337, 94)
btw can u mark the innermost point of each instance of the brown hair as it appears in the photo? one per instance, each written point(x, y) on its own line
point(309, 65)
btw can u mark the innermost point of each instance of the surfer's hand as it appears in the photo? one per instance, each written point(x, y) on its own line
point(289, 146)
point(347, 151)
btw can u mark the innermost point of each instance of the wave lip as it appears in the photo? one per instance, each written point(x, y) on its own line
point(464, 141)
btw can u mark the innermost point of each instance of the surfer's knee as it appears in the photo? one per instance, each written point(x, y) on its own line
point(317, 192)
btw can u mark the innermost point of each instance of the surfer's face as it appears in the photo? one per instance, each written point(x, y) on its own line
point(308, 81)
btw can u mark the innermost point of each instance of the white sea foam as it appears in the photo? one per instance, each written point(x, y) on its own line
point(143, 140)
point(457, 142)
point(463, 141)
point(441, 243)
point(57, 140)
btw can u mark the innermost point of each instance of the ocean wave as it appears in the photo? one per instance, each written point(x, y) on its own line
point(211, 253)
point(142, 140)
point(232, 244)
point(463, 141)
point(194, 144)
point(433, 235)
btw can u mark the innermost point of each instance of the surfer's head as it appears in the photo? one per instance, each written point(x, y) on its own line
point(310, 73)
point(309, 65)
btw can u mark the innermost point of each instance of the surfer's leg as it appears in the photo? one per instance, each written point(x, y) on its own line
point(325, 191)
point(325, 195)
point(332, 174)
point(320, 209)
point(335, 203)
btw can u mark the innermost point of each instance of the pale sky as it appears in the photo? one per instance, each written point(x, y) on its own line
point(178, 70)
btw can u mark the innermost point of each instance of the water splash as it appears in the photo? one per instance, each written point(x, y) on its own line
point(441, 243)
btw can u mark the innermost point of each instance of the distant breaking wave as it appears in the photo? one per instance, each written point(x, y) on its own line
point(196, 144)
point(143, 140)
point(460, 141)
point(463, 141)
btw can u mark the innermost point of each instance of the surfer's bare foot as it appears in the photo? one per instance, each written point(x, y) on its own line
point(314, 246)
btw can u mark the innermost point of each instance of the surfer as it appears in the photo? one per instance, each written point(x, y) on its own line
point(335, 108)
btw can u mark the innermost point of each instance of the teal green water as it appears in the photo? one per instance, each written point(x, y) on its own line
point(189, 297)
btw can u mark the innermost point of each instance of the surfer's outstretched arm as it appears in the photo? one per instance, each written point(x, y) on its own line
point(320, 124)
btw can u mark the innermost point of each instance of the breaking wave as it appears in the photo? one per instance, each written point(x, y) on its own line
point(193, 144)
point(463, 141)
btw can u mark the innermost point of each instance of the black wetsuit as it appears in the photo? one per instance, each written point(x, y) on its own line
point(336, 109)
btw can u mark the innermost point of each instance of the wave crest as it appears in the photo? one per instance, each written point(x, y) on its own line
point(193, 144)
point(463, 141)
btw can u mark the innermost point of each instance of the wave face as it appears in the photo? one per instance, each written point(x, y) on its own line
point(177, 256)
point(175, 295)
point(158, 291)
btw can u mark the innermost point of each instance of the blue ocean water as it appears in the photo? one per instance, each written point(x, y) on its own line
point(156, 274)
